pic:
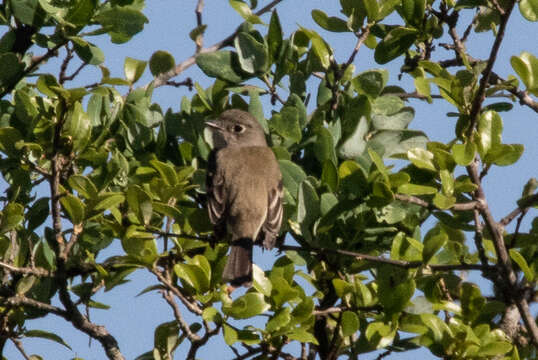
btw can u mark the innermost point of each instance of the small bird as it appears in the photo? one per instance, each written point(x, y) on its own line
point(244, 188)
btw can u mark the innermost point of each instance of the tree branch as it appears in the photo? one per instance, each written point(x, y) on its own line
point(179, 318)
point(524, 205)
point(398, 263)
point(37, 271)
point(163, 78)
point(418, 201)
point(484, 81)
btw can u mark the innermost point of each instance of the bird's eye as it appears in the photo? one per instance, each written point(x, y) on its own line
point(239, 128)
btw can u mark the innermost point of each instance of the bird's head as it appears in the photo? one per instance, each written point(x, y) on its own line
point(236, 128)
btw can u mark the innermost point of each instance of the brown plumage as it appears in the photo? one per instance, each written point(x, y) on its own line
point(244, 187)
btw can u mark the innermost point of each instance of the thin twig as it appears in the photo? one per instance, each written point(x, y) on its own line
point(382, 260)
point(18, 345)
point(36, 271)
point(191, 305)
point(179, 318)
point(360, 40)
point(163, 78)
point(200, 38)
point(418, 201)
point(524, 204)
point(484, 81)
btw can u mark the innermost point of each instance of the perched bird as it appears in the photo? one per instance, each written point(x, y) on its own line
point(244, 188)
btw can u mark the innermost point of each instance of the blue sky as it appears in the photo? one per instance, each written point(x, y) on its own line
point(132, 319)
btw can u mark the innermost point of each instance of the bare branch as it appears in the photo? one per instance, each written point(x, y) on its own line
point(484, 81)
point(198, 12)
point(37, 271)
point(524, 204)
point(179, 318)
point(18, 345)
point(360, 40)
point(21, 300)
point(191, 305)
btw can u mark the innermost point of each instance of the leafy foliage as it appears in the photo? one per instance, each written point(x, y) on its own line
point(356, 273)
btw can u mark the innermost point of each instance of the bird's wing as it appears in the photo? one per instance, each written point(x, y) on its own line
point(274, 216)
point(216, 194)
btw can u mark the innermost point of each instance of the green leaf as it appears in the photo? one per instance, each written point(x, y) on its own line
point(167, 172)
point(324, 146)
point(140, 245)
point(379, 335)
point(433, 241)
point(279, 320)
point(253, 55)
point(494, 349)
point(87, 51)
point(350, 323)
point(302, 336)
point(121, 23)
point(529, 9)
point(26, 11)
point(46, 335)
point(372, 9)
point(526, 67)
point(274, 36)
point(394, 44)
point(161, 62)
point(443, 201)
point(74, 208)
point(371, 82)
point(261, 282)
point(395, 288)
point(230, 334)
point(286, 123)
point(414, 189)
point(38, 213)
point(522, 263)
point(471, 301)
point(193, 275)
point(245, 12)
point(81, 12)
point(413, 11)
point(220, 64)
point(396, 143)
point(329, 175)
point(83, 185)
point(106, 201)
point(355, 144)
point(140, 203)
point(307, 204)
point(421, 158)
point(256, 109)
point(78, 127)
point(247, 306)
point(12, 215)
point(396, 121)
point(133, 69)
point(320, 47)
point(489, 131)
point(422, 85)
point(166, 337)
point(464, 153)
point(332, 23)
point(9, 137)
point(11, 69)
point(504, 154)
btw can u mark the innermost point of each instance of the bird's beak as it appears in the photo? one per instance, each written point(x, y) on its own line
point(213, 124)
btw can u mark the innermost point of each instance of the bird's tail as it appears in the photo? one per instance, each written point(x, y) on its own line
point(238, 269)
